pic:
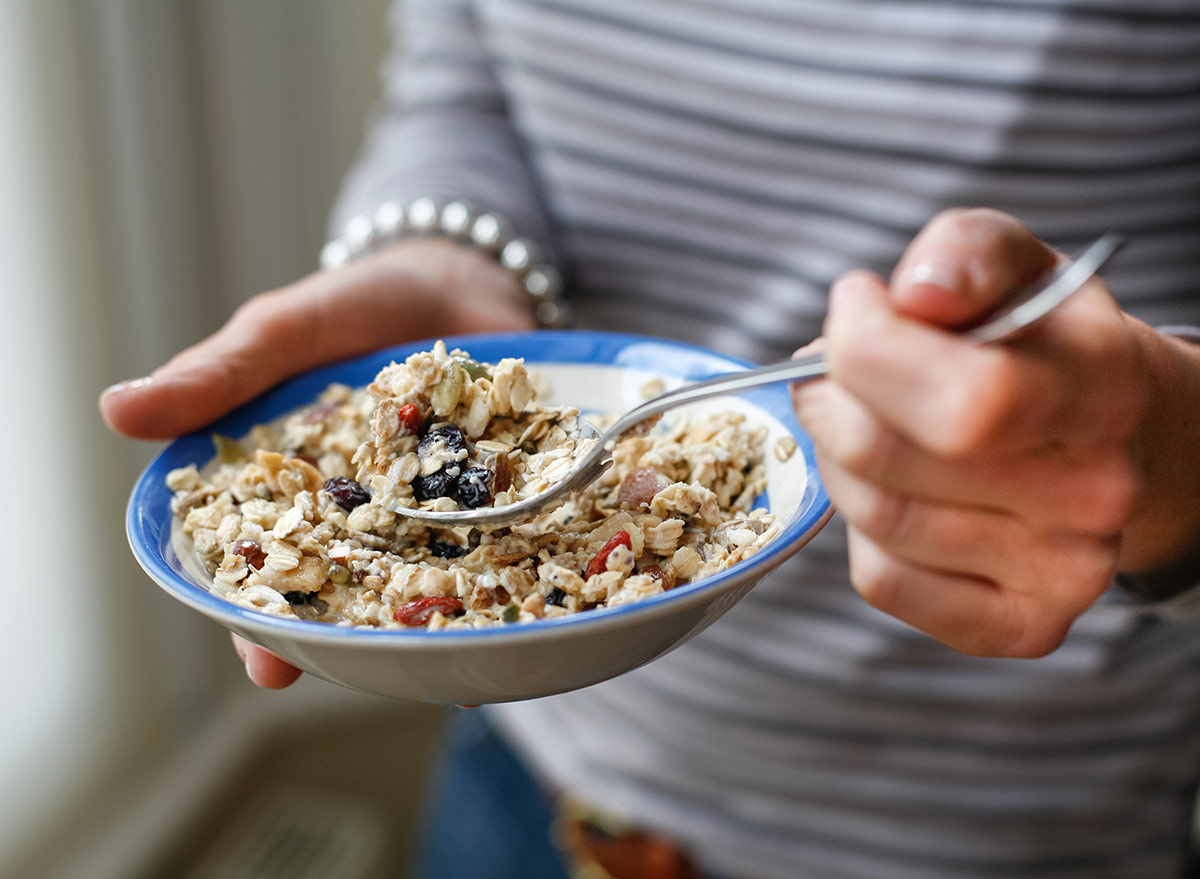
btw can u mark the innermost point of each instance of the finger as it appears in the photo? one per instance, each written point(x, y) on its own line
point(963, 264)
point(942, 392)
point(325, 317)
point(972, 616)
point(968, 541)
point(263, 667)
point(1090, 488)
point(1063, 567)
point(271, 337)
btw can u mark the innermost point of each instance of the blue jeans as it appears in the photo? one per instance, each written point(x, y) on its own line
point(485, 816)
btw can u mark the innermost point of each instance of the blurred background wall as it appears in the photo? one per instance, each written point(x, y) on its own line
point(160, 161)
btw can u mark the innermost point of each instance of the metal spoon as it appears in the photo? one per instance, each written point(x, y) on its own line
point(1026, 306)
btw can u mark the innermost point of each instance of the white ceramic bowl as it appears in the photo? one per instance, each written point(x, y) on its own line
point(594, 371)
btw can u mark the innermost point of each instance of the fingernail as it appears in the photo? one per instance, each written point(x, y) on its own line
point(934, 273)
point(816, 346)
point(130, 385)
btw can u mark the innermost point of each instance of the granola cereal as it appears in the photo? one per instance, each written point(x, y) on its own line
point(449, 433)
point(296, 519)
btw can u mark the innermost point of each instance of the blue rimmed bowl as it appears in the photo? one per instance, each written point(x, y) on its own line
point(602, 372)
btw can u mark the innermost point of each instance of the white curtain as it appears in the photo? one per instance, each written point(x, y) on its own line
point(160, 161)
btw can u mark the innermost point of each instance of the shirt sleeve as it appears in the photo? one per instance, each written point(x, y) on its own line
point(442, 128)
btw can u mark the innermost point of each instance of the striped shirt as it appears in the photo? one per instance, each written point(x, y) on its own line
point(703, 169)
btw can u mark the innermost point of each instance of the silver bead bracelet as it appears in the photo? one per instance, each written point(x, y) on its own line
point(487, 232)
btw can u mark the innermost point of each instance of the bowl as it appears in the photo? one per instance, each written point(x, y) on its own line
point(592, 370)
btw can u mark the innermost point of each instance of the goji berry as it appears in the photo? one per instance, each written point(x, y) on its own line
point(599, 564)
point(410, 418)
point(418, 611)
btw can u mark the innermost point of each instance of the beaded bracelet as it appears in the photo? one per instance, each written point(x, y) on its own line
point(486, 232)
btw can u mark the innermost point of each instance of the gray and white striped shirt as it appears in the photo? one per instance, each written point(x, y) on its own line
point(703, 169)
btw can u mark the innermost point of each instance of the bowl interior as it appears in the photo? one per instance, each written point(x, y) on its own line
point(598, 372)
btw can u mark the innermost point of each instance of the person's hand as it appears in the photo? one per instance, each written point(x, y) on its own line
point(992, 492)
point(417, 289)
point(420, 288)
point(264, 667)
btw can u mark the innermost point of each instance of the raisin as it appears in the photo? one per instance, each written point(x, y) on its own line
point(299, 599)
point(640, 486)
point(599, 564)
point(474, 487)
point(449, 435)
point(251, 551)
point(348, 493)
point(419, 611)
point(435, 485)
point(445, 550)
point(665, 577)
point(557, 596)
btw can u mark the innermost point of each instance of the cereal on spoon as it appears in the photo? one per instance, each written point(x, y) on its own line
point(296, 518)
point(450, 433)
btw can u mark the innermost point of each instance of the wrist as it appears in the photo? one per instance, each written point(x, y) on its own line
point(457, 221)
point(446, 288)
point(1161, 542)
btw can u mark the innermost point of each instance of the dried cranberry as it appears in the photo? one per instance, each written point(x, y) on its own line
point(435, 485)
point(445, 550)
point(557, 596)
point(419, 611)
point(474, 487)
point(348, 493)
point(410, 418)
point(251, 551)
point(599, 564)
point(448, 435)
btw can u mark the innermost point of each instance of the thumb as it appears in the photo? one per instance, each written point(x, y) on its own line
point(963, 264)
point(323, 317)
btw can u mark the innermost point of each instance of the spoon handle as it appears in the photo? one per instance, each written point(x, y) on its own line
point(1026, 306)
point(811, 366)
